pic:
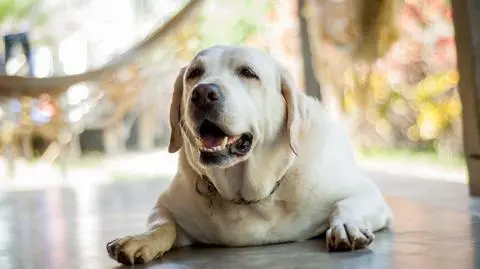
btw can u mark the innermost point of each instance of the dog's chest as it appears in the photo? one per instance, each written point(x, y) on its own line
point(239, 225)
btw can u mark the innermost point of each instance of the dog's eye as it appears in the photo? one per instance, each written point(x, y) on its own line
point(247, 72)
point(195, 72)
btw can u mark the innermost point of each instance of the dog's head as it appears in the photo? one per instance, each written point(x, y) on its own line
point(229, 101)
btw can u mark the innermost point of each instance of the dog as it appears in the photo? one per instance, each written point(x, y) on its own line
point(259, 163)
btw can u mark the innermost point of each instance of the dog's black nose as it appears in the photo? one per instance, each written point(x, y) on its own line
point(206, 95)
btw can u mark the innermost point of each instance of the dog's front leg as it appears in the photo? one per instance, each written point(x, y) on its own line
point(353, 221)
point(145, 247)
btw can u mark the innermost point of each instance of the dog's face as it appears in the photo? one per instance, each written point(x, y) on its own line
point(227, 102)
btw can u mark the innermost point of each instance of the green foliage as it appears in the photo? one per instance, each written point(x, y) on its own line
point(16, 9)
point(225, 23)
point(421, 116)
point(232, 22)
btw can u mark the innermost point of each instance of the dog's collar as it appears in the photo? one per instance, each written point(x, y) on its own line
point(211, 190)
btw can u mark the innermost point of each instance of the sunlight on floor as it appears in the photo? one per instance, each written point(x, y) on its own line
point(161, 164)
point(96, 170)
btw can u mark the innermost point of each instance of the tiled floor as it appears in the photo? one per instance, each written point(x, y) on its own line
point(67, 228)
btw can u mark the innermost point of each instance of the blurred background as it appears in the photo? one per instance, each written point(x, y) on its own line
point(393, 82)
point(85, 89)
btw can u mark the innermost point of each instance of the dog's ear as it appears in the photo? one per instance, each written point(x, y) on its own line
point(176, 140)
point(289, 93)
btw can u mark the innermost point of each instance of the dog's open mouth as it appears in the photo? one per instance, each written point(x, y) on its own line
point(214, 140)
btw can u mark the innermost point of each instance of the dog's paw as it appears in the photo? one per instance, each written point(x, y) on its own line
point(138, 249)
point(348, 236)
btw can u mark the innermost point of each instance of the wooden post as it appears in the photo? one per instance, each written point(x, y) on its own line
point(10, 158)
point(114, 138)
point(466, 18)
point(312, 86)
point(147, 128)
point(27, 146)
point(7, 136)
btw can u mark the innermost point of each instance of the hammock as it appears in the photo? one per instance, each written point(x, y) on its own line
point(11, 86)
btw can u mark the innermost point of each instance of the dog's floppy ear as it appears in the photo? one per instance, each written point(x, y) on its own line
point(176, 140)
point(289, 93)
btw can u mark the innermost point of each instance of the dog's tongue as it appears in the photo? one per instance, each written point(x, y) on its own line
point(212, 141)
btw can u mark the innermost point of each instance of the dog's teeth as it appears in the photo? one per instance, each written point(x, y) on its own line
point(217, 148)
point(210, 149)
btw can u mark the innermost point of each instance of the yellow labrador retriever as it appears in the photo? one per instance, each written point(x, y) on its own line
point(259, 163)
